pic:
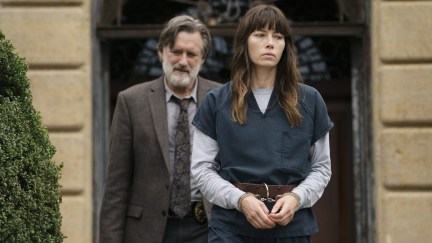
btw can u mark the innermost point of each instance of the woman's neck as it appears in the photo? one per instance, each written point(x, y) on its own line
point(264, 78)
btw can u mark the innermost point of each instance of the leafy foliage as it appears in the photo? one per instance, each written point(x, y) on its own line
point(29, 178)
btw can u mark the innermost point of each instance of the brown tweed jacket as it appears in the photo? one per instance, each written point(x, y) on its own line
point(136, 198)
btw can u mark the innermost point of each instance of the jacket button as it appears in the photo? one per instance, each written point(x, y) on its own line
point(167, 186)
point(164, 213)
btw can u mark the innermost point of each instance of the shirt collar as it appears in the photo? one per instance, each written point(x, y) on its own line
point(169, 92)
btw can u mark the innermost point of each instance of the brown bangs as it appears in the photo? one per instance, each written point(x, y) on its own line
point(271, 18)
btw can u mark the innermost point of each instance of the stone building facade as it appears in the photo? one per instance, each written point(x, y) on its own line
point(401, 57)
point(56, 37)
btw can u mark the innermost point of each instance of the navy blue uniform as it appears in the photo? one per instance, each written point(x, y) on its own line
point(264, 150)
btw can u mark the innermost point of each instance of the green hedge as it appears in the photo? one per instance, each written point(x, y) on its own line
point(29, 178)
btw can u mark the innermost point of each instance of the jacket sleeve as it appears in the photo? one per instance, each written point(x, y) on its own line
point(118, 175)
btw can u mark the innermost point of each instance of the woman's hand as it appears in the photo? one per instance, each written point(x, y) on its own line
point(283, 211)
point(256, 212)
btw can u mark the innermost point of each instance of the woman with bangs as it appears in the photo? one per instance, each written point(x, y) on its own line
point(261, 148)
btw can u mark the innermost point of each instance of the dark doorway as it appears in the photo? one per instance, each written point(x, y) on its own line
point(335, 210)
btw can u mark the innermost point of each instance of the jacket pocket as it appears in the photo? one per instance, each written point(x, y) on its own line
point(134, 211)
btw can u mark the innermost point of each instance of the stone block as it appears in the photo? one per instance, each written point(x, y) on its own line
point(60, 98)
point(405, 94)
point(406, 157)
point(71, 151)
point(407, 217)
point(76, 224)
point(48, 36)
point(404, 31)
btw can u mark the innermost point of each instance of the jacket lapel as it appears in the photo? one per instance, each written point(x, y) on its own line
point(156, 99)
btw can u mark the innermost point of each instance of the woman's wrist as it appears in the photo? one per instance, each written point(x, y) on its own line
point(293, 195)
point(240, 201)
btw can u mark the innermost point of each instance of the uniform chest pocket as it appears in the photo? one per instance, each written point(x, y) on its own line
point(294, 152)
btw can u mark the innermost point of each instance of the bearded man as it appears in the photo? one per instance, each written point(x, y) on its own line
point(141, 201)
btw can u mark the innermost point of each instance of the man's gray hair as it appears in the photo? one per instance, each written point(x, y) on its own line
point(188, 24)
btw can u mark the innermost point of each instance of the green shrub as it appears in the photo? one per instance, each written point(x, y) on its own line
point(29, 178)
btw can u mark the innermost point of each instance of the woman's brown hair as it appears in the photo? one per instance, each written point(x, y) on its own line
point(287, 75)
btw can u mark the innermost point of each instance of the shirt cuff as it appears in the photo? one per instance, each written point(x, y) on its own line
point(237, 193)
point(299, 192)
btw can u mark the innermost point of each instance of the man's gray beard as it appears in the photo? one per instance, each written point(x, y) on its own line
point(177, 81)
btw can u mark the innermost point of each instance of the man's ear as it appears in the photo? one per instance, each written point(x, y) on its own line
point(160, 55)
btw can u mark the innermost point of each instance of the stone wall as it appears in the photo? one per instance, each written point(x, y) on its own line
point(402, 105)
point(54, 38)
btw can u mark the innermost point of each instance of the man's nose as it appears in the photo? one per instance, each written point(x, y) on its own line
point(183, 59)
